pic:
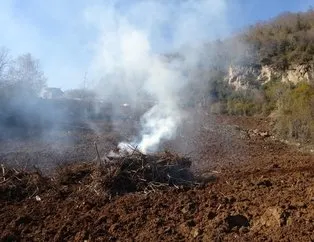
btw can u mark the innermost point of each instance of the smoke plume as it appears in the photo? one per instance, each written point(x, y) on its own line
point(128, 56)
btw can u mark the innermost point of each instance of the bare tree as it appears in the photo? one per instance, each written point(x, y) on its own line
point(5, 60)
point(25, 73)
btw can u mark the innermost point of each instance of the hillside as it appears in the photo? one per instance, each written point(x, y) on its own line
point(267, 69)
point(284, 41)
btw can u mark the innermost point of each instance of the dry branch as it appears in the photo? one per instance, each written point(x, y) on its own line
point(98, 156)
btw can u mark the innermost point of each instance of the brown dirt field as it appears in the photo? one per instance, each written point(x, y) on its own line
point(259, 189)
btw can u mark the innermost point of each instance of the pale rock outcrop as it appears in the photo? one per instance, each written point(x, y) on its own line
point(299, 73)
point(244, 77)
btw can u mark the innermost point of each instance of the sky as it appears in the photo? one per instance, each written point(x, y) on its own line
point(65, 35)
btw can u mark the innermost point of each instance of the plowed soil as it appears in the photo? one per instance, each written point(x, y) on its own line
point(258, 189)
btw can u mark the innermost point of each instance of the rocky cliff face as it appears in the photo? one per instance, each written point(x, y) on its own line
point(299, 73)
point(244, 77)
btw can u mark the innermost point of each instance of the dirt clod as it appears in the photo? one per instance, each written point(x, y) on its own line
point(237, 221)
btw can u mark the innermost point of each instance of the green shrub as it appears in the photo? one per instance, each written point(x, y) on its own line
point(295, 118)
point(273, 91)
point(243, 107)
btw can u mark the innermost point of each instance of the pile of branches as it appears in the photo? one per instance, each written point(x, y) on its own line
point(16, 185)
point(141, 172)
point(114, 175)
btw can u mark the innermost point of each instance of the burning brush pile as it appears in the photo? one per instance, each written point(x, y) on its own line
point(115, 174)
point(141, 172)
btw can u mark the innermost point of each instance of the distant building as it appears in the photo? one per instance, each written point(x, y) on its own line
point(52, 92)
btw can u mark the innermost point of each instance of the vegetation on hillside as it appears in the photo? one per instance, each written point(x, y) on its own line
point(281, 43)
point(286, 40)
point(296, 113)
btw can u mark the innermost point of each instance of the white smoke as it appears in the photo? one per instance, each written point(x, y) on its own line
point(127, 57)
